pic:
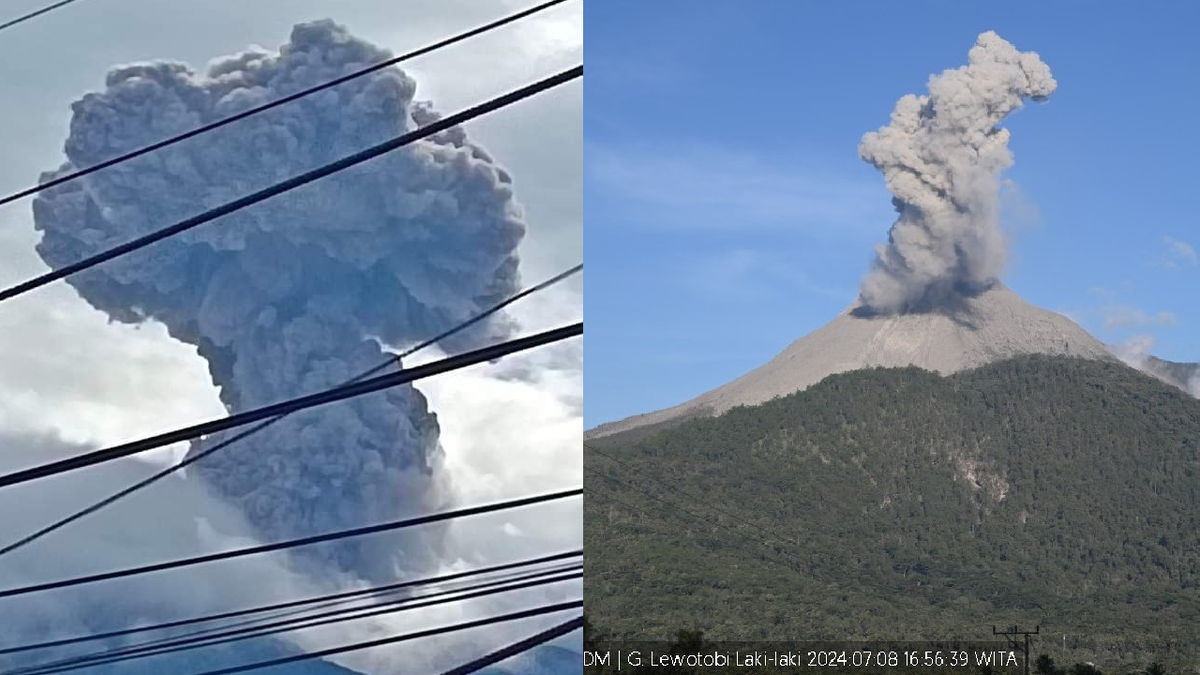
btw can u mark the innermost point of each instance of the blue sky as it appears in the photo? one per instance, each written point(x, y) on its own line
point(728, 213)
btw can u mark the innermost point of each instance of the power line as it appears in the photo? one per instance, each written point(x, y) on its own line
point(295, 182)
point(345, 595)
point(293, 543)
point(517, 647)
point(193, 458)
point(473, 320)
point(173, 645)
point(328, 618)
point(1011, 636)
point(286, 407)
point(266, 106)
point(306, 613)
point(254, 624)
point(33, 15)
point(515, 616)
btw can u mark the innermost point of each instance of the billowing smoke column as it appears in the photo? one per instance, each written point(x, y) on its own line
point(941, 157)
point(293, 295)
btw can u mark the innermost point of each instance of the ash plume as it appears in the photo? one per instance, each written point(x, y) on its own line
point(295, 294)
point(941, 157)
point(1136, 353)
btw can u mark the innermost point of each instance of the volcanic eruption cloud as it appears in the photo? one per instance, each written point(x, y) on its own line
point(295, 294)
point(941, 157)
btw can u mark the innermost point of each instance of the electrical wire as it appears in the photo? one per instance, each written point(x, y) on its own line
point(195, 457)
point(294, 182)
point(328, 618)
point(293, 543)
point(256, 623)
point(517, 647)
point(505, 618)
point(286, 407)
point(228, 208)
point(266, 106)
point(291, 604)
point(34, 14)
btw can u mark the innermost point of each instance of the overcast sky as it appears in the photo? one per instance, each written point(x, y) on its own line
point(68, 376)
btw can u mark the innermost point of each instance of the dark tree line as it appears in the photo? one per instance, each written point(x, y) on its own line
point(1047, 489)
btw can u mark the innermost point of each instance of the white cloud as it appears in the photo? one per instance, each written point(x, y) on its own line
point(1135, 351)
point(152, 527)
point(1125, 316)
point(64, 368)
point(173, 519)
point(67, 377)
point(1179, 253)
point(510, 428)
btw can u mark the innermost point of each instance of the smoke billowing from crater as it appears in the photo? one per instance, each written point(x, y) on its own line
point(293, 295)
point(941, 157)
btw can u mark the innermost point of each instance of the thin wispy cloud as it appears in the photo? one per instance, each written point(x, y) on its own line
point(715, 189)
point(1126, 316)
point(1179, 254)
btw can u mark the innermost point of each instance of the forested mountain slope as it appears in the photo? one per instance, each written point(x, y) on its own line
point(897, 503)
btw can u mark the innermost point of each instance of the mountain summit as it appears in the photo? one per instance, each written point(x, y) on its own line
point(990, 326)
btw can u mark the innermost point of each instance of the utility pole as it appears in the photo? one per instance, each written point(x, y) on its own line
point(1011, 636)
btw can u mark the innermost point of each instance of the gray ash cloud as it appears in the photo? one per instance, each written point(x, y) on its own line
point(941, 156)
point(294, 295)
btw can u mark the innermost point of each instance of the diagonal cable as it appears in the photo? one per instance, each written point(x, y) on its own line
point(344, 595)
point(286, 407)
point(505, 618)
point(295, 182)
point(277, 627)
point(517, 647)
point(305, 613)
point(193, 458)
point(74, 175)
point(294, 543)
point(34, 14)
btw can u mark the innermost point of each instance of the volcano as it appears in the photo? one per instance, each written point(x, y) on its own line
point(990, 326)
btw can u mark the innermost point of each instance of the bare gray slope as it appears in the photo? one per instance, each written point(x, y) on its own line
point(994, 325)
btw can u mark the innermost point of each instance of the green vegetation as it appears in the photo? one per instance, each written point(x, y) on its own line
point(898, 504)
